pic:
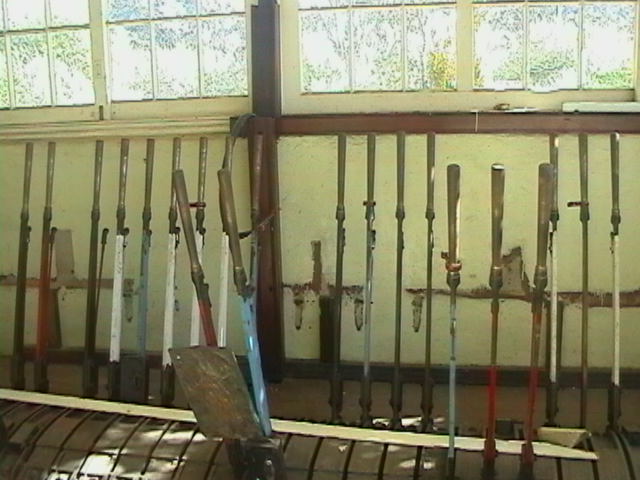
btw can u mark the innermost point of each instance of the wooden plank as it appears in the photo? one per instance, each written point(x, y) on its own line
point(468, 122)
point(510, 447)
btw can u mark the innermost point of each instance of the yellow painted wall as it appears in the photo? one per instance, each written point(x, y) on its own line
point(308, 191)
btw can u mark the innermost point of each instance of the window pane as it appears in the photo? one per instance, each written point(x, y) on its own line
point(173, 8)
point(25, 14)
point(608, 45)
point(127, 10)
point(221, 6)
point(69, 12)
point(4, 78)
point(72, 67)
point(30, 70)
point(130, 62)
point(377, 49)
point(176, 49)
point(360, 3)
point(224, 64)
point(498, 48)
point(325, 51)
point(431, 50)
point(302, 4)
point(553, 47)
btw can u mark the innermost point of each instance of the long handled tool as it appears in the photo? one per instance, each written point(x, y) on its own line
point(545, 189)
point(369, 203)
point(583, 153)
point(118, 276)
point(247, 287)
point(335, 399)
point(210, 375)
point(552, 387)
point(200, 232)
point(41, 381)
point(495, 282)
point(90, 367)
point(17, 360)
point(427, 383)
point(134, 387)
point(614, 388)
point(396, 385)
point(453, 267)
point(167, 383)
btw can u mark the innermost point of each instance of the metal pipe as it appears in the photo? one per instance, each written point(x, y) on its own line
point(584, 219)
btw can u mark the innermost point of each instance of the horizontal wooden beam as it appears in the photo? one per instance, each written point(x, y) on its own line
point(472, 122)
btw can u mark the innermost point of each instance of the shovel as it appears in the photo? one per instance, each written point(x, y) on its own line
point(213, 383)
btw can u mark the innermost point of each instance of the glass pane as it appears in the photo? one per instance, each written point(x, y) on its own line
point(4, 78)
point(553, 46)
point(71, 53)
point(431, 48)
point(608, 45)
point(127, 10)
point(176, 55)
point(302, 4)
point(69, 12)
point(325, 51)
point(221, 6)
point(498, 42)
point(25, 14)
point(130, 62)
point(377, 49)
point(30, 70)
point(173, 8)
point(364, 3)
point(224, 64)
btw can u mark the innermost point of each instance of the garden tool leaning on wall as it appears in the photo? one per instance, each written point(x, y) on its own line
point(209, 374)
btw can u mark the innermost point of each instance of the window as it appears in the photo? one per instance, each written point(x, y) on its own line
point(45, 53)
point(362, 45)
point(177, 48)
point(410, 45)
point(537, 46)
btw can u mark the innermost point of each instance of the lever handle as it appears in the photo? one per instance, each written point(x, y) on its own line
point(497, 213)
point(453, 210)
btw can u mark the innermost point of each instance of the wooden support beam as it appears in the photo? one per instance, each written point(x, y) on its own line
point(265, 59)
point(471, 122)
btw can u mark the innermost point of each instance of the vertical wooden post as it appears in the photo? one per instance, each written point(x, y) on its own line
point(266, 95)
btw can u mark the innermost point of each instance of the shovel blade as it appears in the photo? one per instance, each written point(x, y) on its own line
point(216, 392)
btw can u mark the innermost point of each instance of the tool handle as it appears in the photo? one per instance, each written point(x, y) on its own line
point(545, 199)
point(401, 144)
point(148, 181)
point(583, 151)
point(258, 144)
point(497, 213)
point(453, 209)
point(51, 161)
point(230, 226)
point(202, 174)
point(182, 198)
point(26, 186)
point(342, 160)
point(431, 160)
point(97, 175)
point(553, 159)
point(615, 182)
point(105, 234)
point(371, 170)
point(175, 165)
point(122, 186)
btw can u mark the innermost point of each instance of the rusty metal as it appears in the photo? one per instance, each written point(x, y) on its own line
point(41, 381)
point(17, 360)
point(545, 193)
point(90, 368)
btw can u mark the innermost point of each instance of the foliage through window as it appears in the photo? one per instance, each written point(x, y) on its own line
point(177, 48)
point(554, 45)
point(359, 45)
point(45, 53)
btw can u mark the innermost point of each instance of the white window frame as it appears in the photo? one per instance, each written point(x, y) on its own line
point(464, 98)
point(106, 110)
